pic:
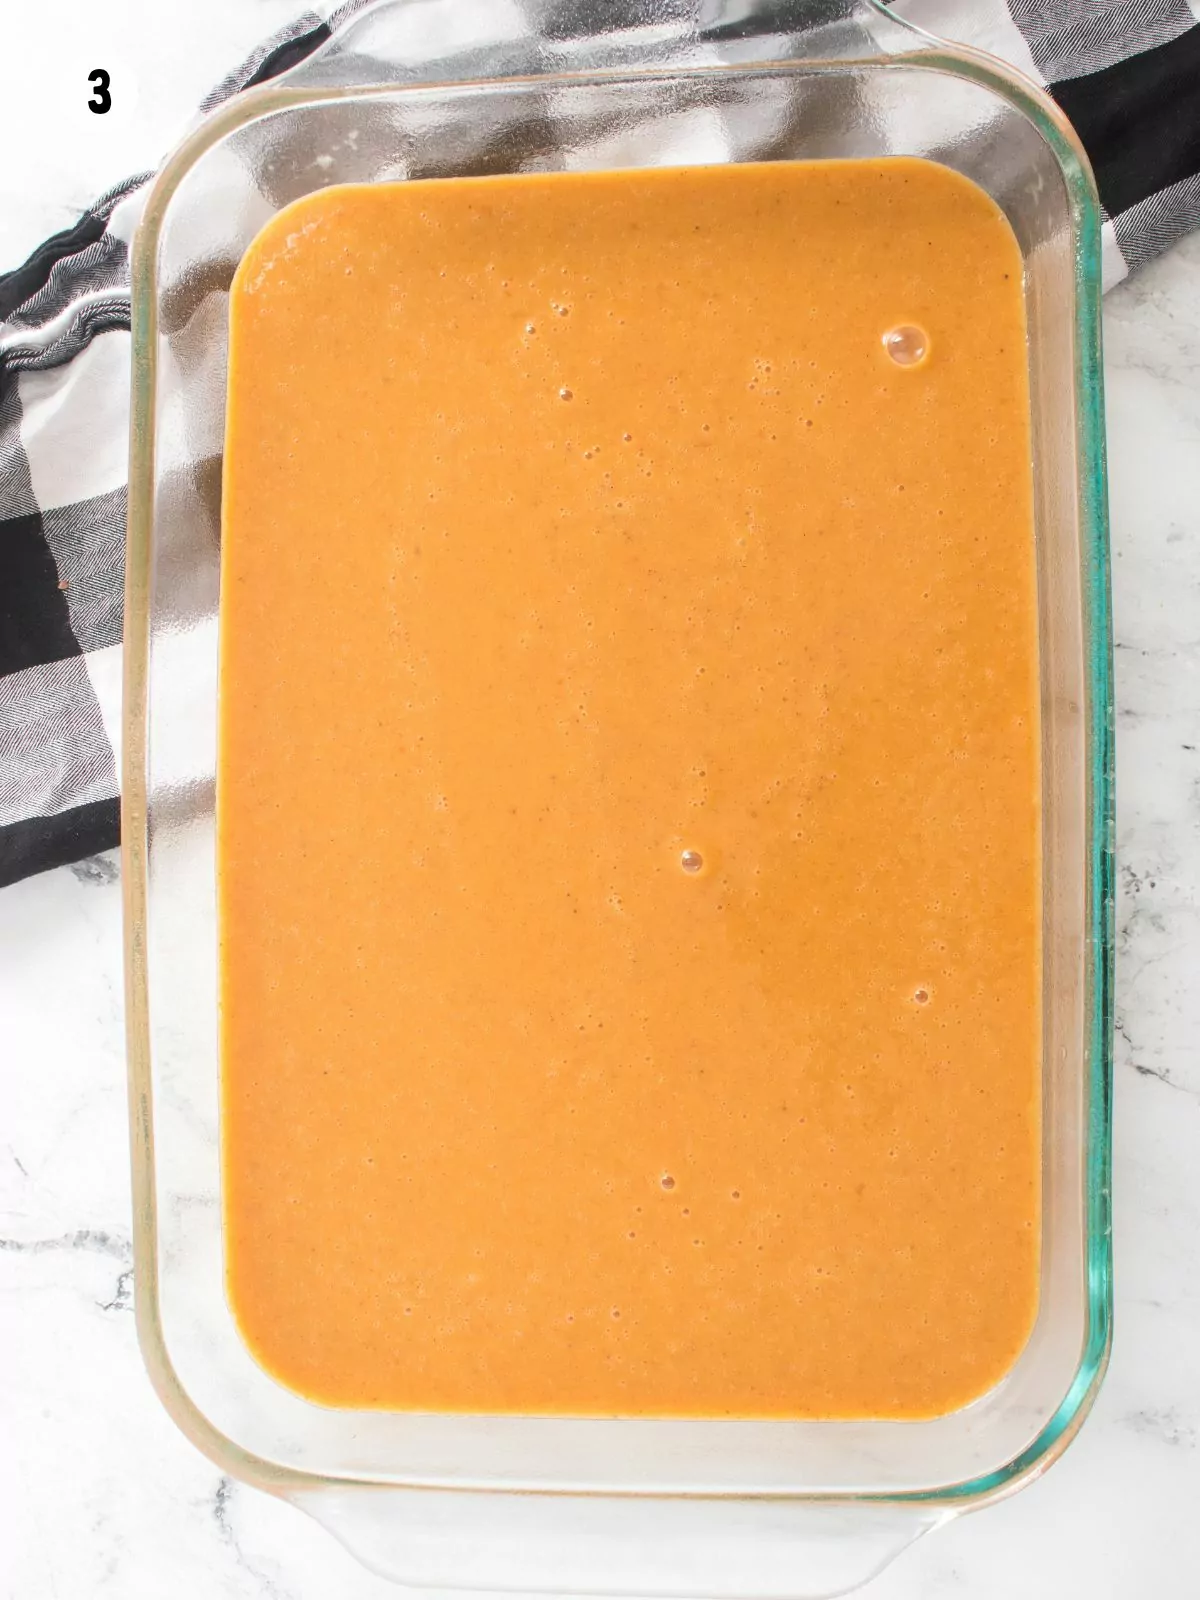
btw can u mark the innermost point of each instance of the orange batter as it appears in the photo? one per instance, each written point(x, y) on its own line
point(628, 795)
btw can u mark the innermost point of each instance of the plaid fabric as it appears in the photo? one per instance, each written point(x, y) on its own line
point(1127, 72)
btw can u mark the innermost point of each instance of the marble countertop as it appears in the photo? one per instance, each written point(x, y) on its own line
point(98, 1492)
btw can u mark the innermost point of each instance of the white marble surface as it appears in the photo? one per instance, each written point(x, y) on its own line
point(99, 1495)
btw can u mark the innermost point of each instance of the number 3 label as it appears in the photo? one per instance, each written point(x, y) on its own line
point(101, 100)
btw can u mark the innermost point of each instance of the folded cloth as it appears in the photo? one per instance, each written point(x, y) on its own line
point(1127, 73)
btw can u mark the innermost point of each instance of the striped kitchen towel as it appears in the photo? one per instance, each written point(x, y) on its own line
point(1127, 73)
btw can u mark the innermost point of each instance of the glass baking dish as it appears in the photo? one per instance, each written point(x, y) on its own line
point(689, 1508)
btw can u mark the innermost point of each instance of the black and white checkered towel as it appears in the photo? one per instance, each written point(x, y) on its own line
point(1127, 72)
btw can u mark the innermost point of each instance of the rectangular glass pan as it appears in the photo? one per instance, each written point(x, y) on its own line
point(598, 1505)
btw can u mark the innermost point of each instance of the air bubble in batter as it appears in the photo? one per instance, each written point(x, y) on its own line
point(907, 344)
